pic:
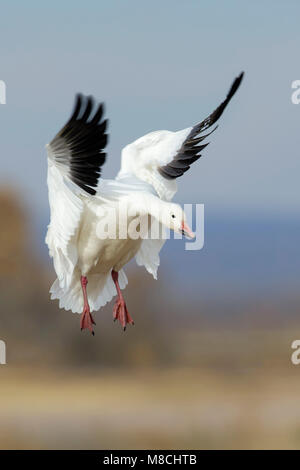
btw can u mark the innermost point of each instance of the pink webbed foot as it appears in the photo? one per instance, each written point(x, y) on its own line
point(120, 313)
point(87, 321)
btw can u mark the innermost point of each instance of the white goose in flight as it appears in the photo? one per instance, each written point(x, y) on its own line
point(79, 199)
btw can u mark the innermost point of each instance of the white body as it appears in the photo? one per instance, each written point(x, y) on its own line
point(146, 183)
point(72, 233)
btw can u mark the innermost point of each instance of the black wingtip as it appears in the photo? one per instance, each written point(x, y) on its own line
point(215, 116)
point(84, 139)
point(86, 108)
point(188, 153)
point(98, 114)
point(77, 107)
point(235, 85)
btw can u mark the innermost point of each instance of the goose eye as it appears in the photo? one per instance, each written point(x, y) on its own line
point(173, 216)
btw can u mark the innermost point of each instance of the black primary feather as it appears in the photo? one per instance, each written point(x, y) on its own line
point(81, 142)
point(189, 150)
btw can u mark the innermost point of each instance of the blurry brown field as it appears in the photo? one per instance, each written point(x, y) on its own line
point(181, 408)
point(172, 381)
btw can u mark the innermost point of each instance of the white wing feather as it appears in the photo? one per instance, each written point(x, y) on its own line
point(160, 157)
point(148, 255)
point(65, 213)
point(75, 157)
point(144, 156)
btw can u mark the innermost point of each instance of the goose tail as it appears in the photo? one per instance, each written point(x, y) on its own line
point(100, 289)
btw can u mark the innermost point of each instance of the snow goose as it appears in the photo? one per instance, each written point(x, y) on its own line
point(80, 201)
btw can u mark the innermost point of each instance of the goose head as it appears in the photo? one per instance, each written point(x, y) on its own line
point(174, 218)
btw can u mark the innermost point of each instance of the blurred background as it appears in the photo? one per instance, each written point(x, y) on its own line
point(208, 363)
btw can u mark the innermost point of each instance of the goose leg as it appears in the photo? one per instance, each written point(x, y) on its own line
point(86, 319)
point(120, 311)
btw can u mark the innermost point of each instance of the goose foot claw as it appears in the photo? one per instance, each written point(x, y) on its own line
point(87, 321)
point(120, 313)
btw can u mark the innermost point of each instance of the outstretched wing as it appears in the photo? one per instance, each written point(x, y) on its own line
point(77, 149)
point(189, 151)
point(162, 156)
point(75, 157)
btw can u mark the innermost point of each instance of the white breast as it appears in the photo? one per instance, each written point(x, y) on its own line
point(96, 255)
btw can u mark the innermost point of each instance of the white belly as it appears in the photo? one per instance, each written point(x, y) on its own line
point(96, 255)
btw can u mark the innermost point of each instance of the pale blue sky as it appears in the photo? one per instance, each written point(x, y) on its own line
point(159, 65)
